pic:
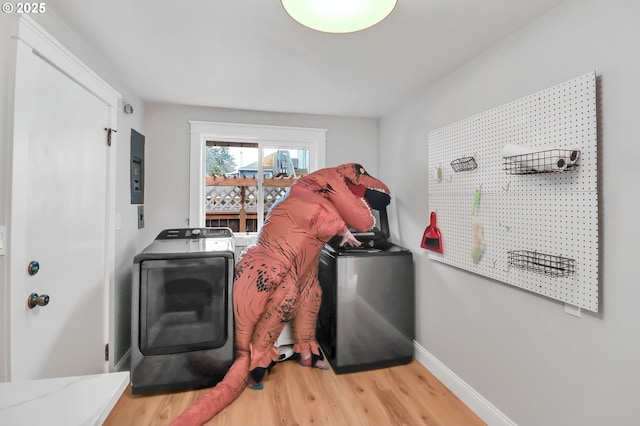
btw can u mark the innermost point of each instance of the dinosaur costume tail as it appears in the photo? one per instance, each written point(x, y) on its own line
point(219, 397)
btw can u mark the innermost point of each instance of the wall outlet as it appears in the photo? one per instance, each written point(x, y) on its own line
point(140, 217)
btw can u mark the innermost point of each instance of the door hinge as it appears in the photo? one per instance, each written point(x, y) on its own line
point(106, 352)
point(109, 131)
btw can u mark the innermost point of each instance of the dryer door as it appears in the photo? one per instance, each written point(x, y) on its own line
point(183, 304)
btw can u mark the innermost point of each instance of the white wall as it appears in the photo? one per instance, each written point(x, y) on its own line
point(167, 152)
point(519, 350)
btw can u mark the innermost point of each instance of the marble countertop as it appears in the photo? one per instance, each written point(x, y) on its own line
point(77, 400)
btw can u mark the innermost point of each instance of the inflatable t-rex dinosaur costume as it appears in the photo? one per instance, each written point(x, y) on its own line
point(276, 279)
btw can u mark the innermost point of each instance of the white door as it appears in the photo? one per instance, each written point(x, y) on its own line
point(60, 219)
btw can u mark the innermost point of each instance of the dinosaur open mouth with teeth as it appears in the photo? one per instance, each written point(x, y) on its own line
point(352, 191)
point(375, 198)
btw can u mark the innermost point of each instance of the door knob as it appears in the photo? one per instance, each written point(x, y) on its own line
point(34, 267)
point(35, 300)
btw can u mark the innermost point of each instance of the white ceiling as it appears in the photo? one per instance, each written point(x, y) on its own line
point(250, 54)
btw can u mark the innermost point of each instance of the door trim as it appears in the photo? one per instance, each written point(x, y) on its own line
point(48, 48)
point(32, 39)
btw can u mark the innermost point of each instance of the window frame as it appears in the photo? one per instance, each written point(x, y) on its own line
point(266, 136)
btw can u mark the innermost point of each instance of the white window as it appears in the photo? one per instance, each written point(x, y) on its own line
point(274, 152)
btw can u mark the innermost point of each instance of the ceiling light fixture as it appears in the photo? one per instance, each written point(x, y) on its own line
point(339, 16)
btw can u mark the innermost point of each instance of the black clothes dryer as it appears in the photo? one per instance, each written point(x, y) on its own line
point(182, 315)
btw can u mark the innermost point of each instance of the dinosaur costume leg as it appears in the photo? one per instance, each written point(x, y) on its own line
point(279, 309)
point(304, 323)
point(257, 286)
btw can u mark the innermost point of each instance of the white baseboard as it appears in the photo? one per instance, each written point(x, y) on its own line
point(472, 399)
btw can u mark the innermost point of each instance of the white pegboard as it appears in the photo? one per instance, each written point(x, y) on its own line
point(551, 213)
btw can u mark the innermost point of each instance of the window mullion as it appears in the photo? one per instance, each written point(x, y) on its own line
point(260, 183)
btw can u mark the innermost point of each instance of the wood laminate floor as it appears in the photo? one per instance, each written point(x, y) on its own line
point(294, 395)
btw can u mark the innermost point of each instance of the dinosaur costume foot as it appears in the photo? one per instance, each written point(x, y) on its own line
point(255, 378)
point(314, 360)
point(318, 364)
point(257, 375)
point(263, 357)
point(255, 386)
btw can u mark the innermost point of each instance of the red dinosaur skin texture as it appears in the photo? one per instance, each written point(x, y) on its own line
point(276, 279)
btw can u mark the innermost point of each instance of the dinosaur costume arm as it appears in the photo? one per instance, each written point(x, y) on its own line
point(276, 280)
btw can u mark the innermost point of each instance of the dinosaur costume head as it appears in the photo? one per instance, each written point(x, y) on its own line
point(352, 191)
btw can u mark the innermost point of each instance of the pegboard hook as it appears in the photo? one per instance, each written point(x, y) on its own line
point(504, 226)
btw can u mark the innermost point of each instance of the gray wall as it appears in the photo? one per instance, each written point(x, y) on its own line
point(168, 143)
point(519, 350)
point(168, 139)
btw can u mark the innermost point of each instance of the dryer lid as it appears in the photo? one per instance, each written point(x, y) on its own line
point(192, 240)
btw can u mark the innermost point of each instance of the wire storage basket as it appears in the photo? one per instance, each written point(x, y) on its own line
point(546, 264)
point(550, 161)
point(464, 164)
